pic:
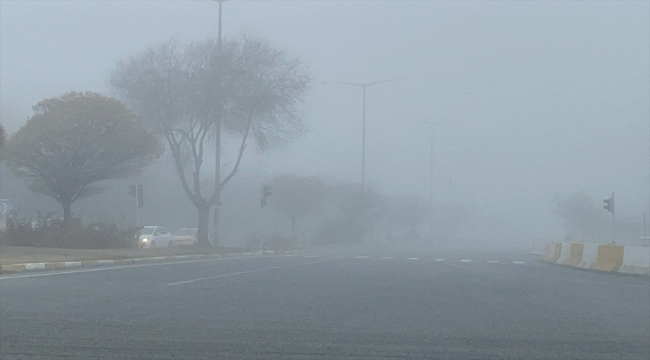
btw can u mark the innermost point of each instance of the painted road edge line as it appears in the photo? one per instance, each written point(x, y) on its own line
point(61, 265)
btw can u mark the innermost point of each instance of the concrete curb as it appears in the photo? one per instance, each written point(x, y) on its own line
point(59, 265)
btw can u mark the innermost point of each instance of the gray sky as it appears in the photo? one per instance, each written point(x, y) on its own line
point(555, 96)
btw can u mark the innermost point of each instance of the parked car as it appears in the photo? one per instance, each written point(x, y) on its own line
point(154, 236)
point(185, 236)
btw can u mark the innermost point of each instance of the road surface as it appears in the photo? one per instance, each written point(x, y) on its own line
point(357, 303)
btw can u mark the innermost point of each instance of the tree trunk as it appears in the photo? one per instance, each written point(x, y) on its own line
point(217, 222)
point(67, 213)
point(204, 216)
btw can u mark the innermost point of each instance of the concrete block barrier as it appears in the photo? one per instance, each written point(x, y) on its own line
point(575, 254)
point(636, 260)
point(553, 252)
point(589, 255)
point(565, 253)
point(609, 258)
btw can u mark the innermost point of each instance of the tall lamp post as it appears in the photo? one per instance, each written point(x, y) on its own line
point(217, 165)
point(364, 86)
point(431, 125)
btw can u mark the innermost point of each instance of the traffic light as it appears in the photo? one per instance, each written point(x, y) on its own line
point(609, 204)
point(132, 190)
point(266, 191)
point(140, 196)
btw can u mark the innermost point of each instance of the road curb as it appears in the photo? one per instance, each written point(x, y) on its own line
point(59, 265)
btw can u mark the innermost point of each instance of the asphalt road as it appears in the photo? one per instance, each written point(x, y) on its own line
point(356, 303)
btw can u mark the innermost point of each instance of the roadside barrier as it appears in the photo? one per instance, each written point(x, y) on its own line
point(565, 252)
point(608, 258)
point(636, 260)
point(589, 255)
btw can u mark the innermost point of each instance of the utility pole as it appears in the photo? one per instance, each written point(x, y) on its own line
point(219, 103)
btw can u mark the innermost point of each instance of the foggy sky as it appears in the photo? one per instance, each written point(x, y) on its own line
point(555, 96)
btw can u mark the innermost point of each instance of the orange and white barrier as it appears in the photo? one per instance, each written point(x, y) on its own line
point(609, 258)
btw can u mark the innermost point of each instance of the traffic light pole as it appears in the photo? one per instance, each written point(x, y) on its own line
point(137, 207)
point(613, 220)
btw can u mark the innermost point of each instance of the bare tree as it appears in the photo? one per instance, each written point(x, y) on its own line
point(188, 95)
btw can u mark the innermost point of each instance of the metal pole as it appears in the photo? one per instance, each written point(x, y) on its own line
point(217, 145)
point(137, 208)
point(363, 143)
point(431, 186)
point(613, 220)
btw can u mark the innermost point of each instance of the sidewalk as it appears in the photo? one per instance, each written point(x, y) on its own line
point(19, 259)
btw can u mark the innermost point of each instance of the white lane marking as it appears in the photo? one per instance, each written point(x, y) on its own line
point(122, 267)
point(311, 256)
point(519, 262)
point(361, 257)
point(439, 260)
point(386, 258)
point(493, 261)
point(465, 260)
point(413, 259)
point(243, 272)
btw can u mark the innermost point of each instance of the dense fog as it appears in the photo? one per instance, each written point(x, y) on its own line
point(539, 103)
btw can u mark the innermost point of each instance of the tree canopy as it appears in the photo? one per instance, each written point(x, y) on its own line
point(189, 95)
point(298, 196)
point(75, 141)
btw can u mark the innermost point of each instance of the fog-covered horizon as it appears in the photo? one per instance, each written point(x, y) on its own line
point(550, 97)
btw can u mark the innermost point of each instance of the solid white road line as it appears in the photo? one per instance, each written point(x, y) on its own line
point(68, 272)
point(243, 272)
point(465, 260)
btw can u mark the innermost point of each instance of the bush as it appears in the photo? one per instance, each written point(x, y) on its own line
point(76, 236)
point(278, 242)
point(339, 231)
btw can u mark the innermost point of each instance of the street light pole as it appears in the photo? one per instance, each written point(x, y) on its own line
point(364, 86)
point(431, 125)
point(217, 165)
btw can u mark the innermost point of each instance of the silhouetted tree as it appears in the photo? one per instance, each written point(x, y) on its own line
point(190, 95)
point(75, 141)
point(298, 196)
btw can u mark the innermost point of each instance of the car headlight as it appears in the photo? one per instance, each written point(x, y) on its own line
point(145, 240)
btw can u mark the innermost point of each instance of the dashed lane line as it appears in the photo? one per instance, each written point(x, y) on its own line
point(361, 257)
point(243, 272)
point(413, 258)
point(439, 260)
point(465, 260)
point(519, 262)
point(493, 261)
